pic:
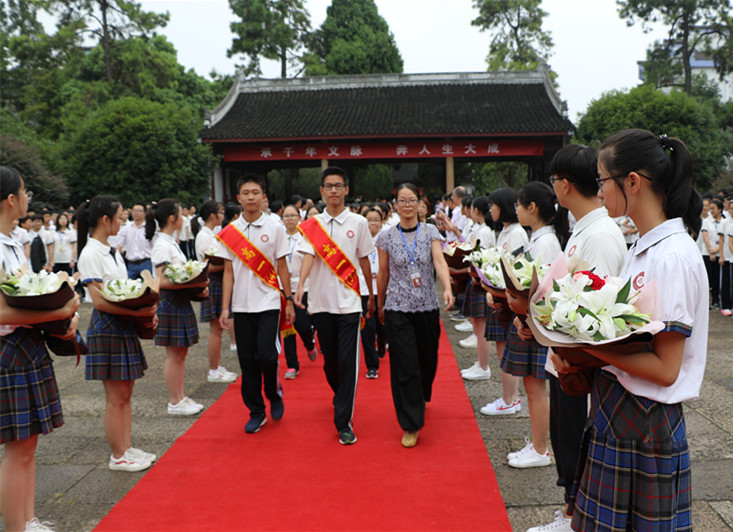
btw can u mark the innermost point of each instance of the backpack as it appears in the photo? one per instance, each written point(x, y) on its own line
point(38, 254)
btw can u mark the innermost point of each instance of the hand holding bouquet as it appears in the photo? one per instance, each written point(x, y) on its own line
point(211, 256)
point(136, 294)
point(487, 264)
point(191, 275)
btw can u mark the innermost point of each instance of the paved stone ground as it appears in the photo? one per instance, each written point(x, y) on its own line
point(75, 489)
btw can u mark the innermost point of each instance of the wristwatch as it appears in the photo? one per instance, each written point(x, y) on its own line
point(289, 298)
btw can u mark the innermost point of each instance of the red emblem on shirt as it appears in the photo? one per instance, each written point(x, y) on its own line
point(264, 238)
point(571, 251)
point(350, 233)
point(638, 281)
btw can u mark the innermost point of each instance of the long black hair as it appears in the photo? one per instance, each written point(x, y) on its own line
point(10, 181)
point(208, 208)
point(579, 165)
point(159, 212)
point(666, 162)
point(231, 210)
point(505, 198)
point(88, 215)
point(549, 210)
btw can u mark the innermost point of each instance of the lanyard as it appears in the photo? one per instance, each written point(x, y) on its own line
point(410, 253)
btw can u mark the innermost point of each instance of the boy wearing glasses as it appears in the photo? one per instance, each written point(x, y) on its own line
point(336, 242)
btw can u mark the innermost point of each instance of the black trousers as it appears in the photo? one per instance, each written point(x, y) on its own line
point(568, 414)
point(257, 349)
point(369, 336)
point(726, 286)
point(338, 336)
point(304, 327)
point(713, 269)
point(413, 358)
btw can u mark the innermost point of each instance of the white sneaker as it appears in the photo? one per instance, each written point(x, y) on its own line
point(221, 375)
point(527, 445)
point(470, 342)
point(477, 374)
point(128, 462)
point(291, 373)
point(560, 524)
point(465, 326)
point(142, 455)
point(499, 407)
point(34, 525)
point(186, 407)
point(475, 365)
point(531, 458)
point(233, 347)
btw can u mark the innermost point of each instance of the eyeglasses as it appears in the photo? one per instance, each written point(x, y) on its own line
point(412, 201)
point(600, 180)
point(334, 186)
point(291, 216)
point(554, 178)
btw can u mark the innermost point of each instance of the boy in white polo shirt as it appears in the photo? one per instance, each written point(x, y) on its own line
point(255, 249)
point(335, 242)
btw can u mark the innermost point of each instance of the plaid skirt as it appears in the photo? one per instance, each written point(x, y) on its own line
point(523, 358)
point(636, 474)
point(494, 332)
point(176, 320)
point(114, 349)
point(474, 301)
point(29, 395)
point(211, 306)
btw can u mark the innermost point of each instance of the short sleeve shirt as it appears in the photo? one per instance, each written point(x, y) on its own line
point(12, 257)
point(166, 251)
point(598, 241)
point(204, 240)
point(100, 262)
point(402, 295)
point(543, 245)
point(512, 237)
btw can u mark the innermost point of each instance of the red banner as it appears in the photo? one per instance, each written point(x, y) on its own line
point(382, 150)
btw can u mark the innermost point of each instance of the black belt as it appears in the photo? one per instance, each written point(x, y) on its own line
point(136, 261)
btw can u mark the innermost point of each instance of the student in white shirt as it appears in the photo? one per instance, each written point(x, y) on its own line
point(115, 355)
point(64, 243)
point(638, 427)
point(131, 239)
point(177, 328)
point(711, 237)
point(336, 308)
point(369, 332)
point(725, 233)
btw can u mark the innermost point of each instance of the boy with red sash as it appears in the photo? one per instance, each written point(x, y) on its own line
point(335, 242)
point(255, 247)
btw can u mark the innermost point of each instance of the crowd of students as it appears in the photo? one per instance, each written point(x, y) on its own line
point(342, 276)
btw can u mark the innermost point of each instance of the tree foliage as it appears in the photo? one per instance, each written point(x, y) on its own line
point(675, 114)
point(354, 39)
point(693, 26)
point(270, 29)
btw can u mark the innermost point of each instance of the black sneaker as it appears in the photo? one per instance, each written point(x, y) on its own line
point(372, 374)
point(347, 437)
point(277, 410)
point(255, 423)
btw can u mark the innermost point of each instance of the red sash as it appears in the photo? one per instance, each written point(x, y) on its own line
point(258, 263)
point(331, 254)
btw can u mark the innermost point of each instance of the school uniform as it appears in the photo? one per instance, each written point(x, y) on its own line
point(137, 249)
point(256, 312)
point(29, 394)
point(474, 298)
point(63, 251)
point(114, 347)
point(211, 306)
point(369, 332)
point(711, 227)
point(176, 319)
point(303, 324)
point(726, 275)
point(637, 469)
point(336, 310)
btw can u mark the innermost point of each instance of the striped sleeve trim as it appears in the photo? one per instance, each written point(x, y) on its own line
point(164, 263)
point(677, 326)
point(91, 279)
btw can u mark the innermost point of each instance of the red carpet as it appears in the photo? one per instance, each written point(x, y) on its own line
point(294, 475)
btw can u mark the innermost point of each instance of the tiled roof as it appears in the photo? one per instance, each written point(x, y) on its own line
point(467, 104)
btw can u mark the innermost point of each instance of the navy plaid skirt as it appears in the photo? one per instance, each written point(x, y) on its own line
point(29, 395)
point(637, 472)
point(114, 349)
point(493, 332)
point(523, 358)
point(474, 301)
point(176, 320)
point(211, 306)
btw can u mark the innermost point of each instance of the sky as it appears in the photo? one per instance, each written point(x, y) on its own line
point(594, 52)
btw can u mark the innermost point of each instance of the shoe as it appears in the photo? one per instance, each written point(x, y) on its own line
point(255, 423)
point(475, 365)
point(470, 342)
point(347, 437)
point(233, 348)
point(477, 374)
point(222, 375)
point(312, 355)
point(466, 326)
point(457, 317)
point(127, 462)
point(142, 455)
point(34, 525)
point(372, 374)
point(520, 452)
point(186, 407)
point(291, 373)
point(409, 438)
point(560, 524)
point(531, 458)
point(727, 312)
point(499, 407)
point(714, 306)
point(277, 410)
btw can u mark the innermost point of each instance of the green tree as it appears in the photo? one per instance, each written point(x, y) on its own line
point(518, 42)
point(354, 39)
point(693, 26)
point(273, 29)
point(139, 150)
point(675, 114)
point(489, 176)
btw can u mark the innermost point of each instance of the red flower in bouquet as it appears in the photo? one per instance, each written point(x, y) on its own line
point(596, 283)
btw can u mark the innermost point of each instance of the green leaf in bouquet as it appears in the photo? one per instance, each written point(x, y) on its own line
point(598, 336)
point(585, 312)
point(620, 324)
point(555, 286)
point(623, 294)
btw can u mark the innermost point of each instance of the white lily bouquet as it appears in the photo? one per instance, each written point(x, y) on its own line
point(25, 284)
point(184, 273)
point(134, 294)
point(122, 289)
point(211, 254)
point(487, 263)
point(451, 247)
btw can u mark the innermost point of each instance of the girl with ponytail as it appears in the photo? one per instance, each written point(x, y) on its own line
point(649, 178)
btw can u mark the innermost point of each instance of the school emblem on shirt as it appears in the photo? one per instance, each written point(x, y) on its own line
point(638, 281)
point(350, 233)
point(572, 250)
point(264, 238)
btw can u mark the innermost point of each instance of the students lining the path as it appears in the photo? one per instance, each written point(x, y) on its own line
point(64, 243)
point(369, 332)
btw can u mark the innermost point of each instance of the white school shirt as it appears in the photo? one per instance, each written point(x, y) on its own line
point(12, 257)
point(250, 293)
point(512, 236)
point(485, 236)
point(295, 261)
point(329, 294)
point(204, 240)
point(166, 251)
point(544, 245)
point(724, 232)
point(668, 255)
point(459, 220)
point(374, 264)
point(62, 251)
point(710, 226)
point(100, 262)
point(468, 231)
point(21, 235)
point(132, 239)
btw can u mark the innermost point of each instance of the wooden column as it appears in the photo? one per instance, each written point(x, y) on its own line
point(324, 164)
point(450, 176)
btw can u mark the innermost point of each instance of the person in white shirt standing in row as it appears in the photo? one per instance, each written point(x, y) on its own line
point(725, 234)
point(131, 240)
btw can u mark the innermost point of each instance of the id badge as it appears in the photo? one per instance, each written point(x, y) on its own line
point(416, 277)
